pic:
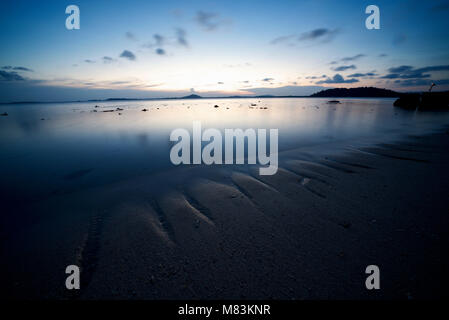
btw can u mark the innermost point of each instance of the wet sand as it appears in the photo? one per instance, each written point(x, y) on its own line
point(220, 232)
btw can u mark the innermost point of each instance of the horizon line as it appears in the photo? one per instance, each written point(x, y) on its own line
point(194, 96)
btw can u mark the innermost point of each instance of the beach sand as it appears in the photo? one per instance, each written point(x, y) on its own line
point(217, 232)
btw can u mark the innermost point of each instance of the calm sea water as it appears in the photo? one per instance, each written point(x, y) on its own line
point(48, 148)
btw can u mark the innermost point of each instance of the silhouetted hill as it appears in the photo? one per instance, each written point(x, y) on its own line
point(361, 92)
point(424, 101)
point(192, 96)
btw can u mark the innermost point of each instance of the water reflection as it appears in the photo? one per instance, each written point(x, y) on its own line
point(43, 144)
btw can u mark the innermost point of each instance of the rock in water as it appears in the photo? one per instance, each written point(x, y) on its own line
point(408, 101)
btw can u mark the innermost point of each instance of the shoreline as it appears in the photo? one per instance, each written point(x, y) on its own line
point(188, 99)
point(307, 232)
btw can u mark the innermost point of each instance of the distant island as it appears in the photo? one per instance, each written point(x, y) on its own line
point(192, 96)
point(361, 92)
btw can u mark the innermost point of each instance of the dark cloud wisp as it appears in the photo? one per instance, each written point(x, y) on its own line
point(344, 68)
point(107, 59)
point(209, 21)
point(353, 58)
point(322, 34)
point(130, 36)
point(128, 55)
point(409, 72)
point(17, 68)
point(160, 51)
point(10, 76)
point(362, 75)
point(315, 35)
point(336, 79)
point(181, 37)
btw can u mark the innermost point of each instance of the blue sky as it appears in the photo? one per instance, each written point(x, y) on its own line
point(213, 48)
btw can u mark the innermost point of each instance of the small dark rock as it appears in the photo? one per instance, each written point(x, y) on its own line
point(4, 114)
point(345, 224)
point(408, 101)
point(144, 110)
point(216, 106)
point(333, 101)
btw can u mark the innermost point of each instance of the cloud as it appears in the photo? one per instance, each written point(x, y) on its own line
point(348, 59)
point(353, 58)
point(400, 69)
point(337, 79)
point(391, 76)
point(419, 82)
point(323, 34)
point(360, 75)
point(433, 68)
point(89, 61)
point(344, 68)
point(159, 40)
point(128, 55)
point(409, 72)
point(405, 76)
point(181, 37)
point(314, 77)
point(383, 55)
point(160, 51)
point(282, 39)
point(320, 35)
point(17, 68)
point(208, 20)
point(10, 76)
point(107, 59)
point(34, 91)
point(130, 36)
point(286, 90)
